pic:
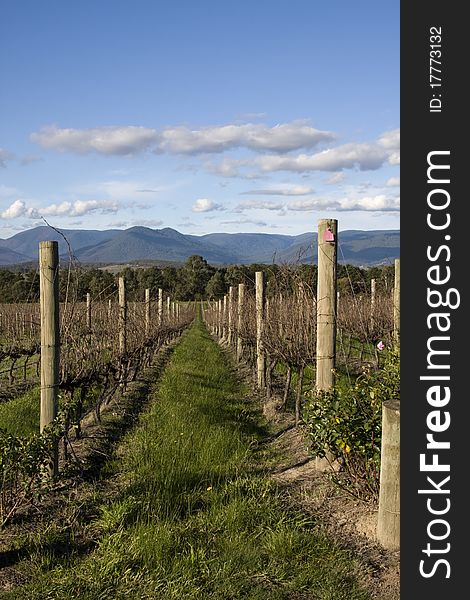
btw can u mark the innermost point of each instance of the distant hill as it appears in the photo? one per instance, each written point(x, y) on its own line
point(10, 257)
point(114, 246)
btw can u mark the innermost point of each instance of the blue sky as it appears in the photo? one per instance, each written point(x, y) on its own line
point(203, 116)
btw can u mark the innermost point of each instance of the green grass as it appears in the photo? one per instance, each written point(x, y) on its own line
point(20, 416)
point(198, 517)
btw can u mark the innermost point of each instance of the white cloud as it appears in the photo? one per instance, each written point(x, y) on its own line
point(19, 209)
point(364, 156)
point(390, 139)
point(205, 205)
point(347, 156)
point(16, 209)
point(113, 140)
point(297, 190)
point(280, 138)
point(79, 208)
point(258, 205)
point(393, 182)
point(378, 203)
point(310, 204)
point(129, 140)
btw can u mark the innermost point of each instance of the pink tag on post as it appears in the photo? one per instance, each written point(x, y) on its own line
point(328, 236)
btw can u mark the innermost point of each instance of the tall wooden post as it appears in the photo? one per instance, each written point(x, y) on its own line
point(260, 309)
point(50, 339)
point(241, 299)
point(230, 314)
point(326, 303)
point(396, 304)
point(224, 319)
point(326, 314)
point(147, 311)
point(372, 303)
point(168, 304)
point(219, 318)
point(160, 307)
point(122, 316)
point(388, 521)
point(88, 311)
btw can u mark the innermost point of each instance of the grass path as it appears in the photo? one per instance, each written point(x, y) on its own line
point(198, 516)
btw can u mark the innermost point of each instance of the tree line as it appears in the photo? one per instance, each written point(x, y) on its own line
point(196, 279)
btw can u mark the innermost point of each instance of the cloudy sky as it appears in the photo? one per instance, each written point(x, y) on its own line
point(203, 116)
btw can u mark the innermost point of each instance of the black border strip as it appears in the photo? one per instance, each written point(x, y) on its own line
point(433, 120)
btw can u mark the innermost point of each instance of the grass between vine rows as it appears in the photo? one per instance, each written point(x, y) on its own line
point(197, 516)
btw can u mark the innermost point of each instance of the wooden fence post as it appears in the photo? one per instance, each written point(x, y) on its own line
point(260, 309)
point(230, 315)
point(50, 338)
point(241, 298)
point(160, 307)
point(147, 311)
point(326, 314)
point(122, 316)
point(372, 303)
point(88, 311)
point(326, 303)
point(388, 522)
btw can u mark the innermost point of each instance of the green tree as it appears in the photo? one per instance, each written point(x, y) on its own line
point(216, 286)
point(193, 278)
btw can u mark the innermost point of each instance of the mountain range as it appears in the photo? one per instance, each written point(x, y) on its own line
point(142, 244)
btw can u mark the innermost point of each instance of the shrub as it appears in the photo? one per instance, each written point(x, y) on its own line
point(347, 424)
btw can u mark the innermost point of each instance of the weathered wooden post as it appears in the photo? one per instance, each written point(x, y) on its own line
point(260, 309)
point(230, 315)
point(122, 316)
point(241, 298)
point(326, 303)
point(168, 304)
point(88, 311)
point(372, 303)
point(326, 313)
point(122, 330)
point(160, 307)
point(224, 318)
point(219, 318)
point(50, 339)
point(147, 311)
point(388, 521)
point(396, 304)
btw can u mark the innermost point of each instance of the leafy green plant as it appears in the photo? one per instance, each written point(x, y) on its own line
point(346, 423)
point(25, 468)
